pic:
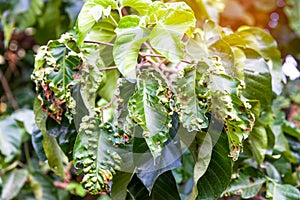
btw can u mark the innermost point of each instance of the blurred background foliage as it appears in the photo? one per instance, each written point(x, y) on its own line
point(27, 24)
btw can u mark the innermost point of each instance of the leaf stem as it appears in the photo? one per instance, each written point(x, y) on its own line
point(27, 155)
point(100, 43)
point(8, 92)
point(108, 68)
point(107, 106)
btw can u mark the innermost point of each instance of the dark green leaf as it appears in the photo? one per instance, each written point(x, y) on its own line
point(12, 183)
point(37, 143)
point(218, 175)
point(165, 188)
point(136, 190)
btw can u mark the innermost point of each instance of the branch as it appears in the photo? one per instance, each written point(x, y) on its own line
point(106, 106)
point(108, 68)
point(100, 43)
point(8, 92)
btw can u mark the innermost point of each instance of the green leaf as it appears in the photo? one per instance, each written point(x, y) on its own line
point(201, 149)
point(76, 188)
point(165, 188)
point(262, 42)
point(258, 141)
point(218, 174)
point(192, 102)
point(248, 183)
point(291, 129)
point(147, 108)
point(90, 13)
point(95, 154)
point(28, 18)
point(26, 118)
point(104, 30)
point(257, 79)
point(120, 183)
point(282, 192)
point(56, 66)
point(43, 187)
point(130, 36)
point(12, 183)
point(141, 6)
point(51, 148)
point(10, 138)
point(149, 168)
point(37, 143)
point(107, 91)
point(292, 11)
point(166, 36)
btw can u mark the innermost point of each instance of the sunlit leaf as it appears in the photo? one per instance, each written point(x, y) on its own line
point(141, 6)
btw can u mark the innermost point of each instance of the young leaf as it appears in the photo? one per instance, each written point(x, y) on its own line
point(130, 36)
point(166, 36)
point(13, 182)
point(90, 13)
point(141, 6)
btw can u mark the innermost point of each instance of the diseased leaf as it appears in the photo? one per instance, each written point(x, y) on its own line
point(95, 154)
point(192, 97)
point(50, 145)
point(150, 109)
point(13, 182)
point(130, 36)
point(56, 67)
point(248, 183)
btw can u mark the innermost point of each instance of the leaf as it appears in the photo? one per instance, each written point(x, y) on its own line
point(262, 42)
point(28, 18)
point(43, 187)
point(95, 154)
point(107, 90)
point(12, 183)
point(165, 187)
point(10, 138)
point(130, 36)
point(218, 174)
point(86, 18)
point(248, 183)
point(166, 36)
point(37, 143)
point(291, 9)
point(51, 148)
point(282, 192)
point(104, 29)
point(149, 168)
point(258, 141)
point(141, 6)
point(56, 66)
point(25, 117)
point(120, 183)
point(192, 102)
point(124, 91)
point(291, 129)
point(65, 135)
point(257, 79)
point(201, 149)
point(136, 190)
point(147, 108)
